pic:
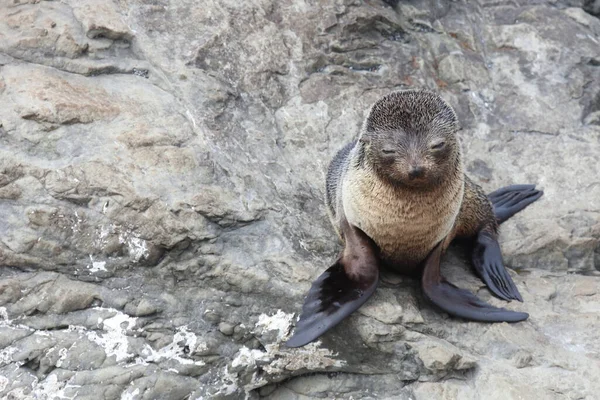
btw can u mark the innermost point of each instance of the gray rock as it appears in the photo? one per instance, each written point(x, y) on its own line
point(161, 193)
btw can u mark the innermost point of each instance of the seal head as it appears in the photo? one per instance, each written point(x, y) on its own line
point(409, 138)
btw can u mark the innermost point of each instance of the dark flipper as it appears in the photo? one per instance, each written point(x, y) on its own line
point(509, 200)
point(340, 290)
point(459, 302)
point(487, 260)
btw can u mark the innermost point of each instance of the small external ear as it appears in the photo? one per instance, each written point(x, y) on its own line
point(366, 137)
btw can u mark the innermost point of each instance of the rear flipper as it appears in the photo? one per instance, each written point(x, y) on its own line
point(459, 302)
point(509, 200)
point(340, 290)
point(487, 260)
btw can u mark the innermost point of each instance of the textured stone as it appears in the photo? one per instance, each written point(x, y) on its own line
point(161, 196)
point(101, 20)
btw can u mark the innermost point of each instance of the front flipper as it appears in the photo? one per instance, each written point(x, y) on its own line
point(459, 302)
point(509, 200)
point(487, 260)
point(340, 290)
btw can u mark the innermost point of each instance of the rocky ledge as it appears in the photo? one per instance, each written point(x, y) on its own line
point(161, 184)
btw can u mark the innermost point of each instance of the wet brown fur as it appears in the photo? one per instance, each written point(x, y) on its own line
point(407, 218)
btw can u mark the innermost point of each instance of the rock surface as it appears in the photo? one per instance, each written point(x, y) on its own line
point(161, 185)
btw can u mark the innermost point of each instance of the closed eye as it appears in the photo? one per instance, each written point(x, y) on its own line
point(438, 146)
point(388, 151)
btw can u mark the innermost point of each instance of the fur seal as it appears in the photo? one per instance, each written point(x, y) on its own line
point(397, 197)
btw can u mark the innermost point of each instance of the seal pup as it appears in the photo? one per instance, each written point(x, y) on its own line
point(397, 197)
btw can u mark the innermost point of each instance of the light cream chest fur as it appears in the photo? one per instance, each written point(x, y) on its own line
point(405, 225)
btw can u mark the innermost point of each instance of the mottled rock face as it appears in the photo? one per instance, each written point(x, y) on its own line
point(161, 196)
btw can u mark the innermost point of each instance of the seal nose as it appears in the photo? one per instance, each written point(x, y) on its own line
point(416, 171)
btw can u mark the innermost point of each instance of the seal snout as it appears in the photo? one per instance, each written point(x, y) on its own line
point(416, 172)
